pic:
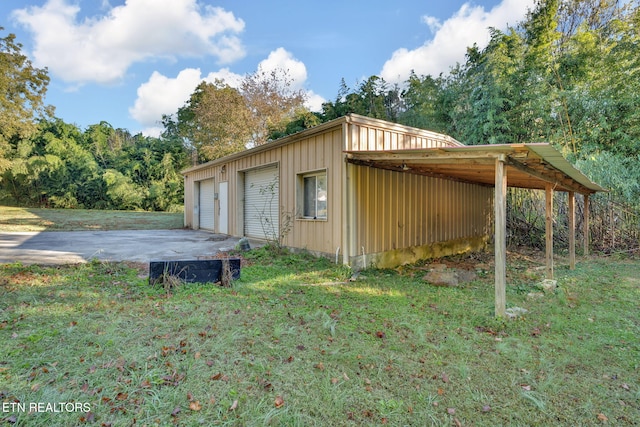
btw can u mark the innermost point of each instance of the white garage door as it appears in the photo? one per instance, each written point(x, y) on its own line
point(261, 203)
point(207, 204)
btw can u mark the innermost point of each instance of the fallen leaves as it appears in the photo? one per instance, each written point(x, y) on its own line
point(219, 377)
point(265, 384)
point(88, 418)
point(174, 379)
point(279, 402)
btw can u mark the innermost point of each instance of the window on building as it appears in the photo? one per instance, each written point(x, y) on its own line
point(314, 195)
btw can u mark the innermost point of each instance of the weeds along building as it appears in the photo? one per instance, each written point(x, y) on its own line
point(370, 192)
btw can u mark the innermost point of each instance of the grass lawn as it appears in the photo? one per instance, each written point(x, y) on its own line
point(293, 342)
point(32, 219)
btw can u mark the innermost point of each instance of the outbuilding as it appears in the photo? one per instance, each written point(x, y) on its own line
point(370, 192)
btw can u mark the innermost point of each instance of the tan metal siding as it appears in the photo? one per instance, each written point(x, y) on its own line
point(322, 151)
point(391, 210)
point(190, 193)
point(369, 137)
point(399, 210)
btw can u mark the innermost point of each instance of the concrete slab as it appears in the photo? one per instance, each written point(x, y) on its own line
point(69, 247)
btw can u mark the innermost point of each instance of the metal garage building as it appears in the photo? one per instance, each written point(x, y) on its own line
point(372, 192)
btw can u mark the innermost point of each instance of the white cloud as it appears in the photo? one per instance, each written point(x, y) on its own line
point(469, 25)
point(314, 101)
point(432, 22)
point(162, 95)
point(153, 131)
point(165, 95)
point(280, 59)
point(102, 48)
point(229, 77)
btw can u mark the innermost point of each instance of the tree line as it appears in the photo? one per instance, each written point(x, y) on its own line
point(60, 166)
point(45, 162)
point(568, 74)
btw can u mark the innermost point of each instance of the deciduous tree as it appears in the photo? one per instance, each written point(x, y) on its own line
point(22, 91)
point(216, 121)
point(272, 101)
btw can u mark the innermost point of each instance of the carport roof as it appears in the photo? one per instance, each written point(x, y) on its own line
point(528, 165)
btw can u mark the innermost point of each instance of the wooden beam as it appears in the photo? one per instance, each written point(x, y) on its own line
point(551, 177)
point(425, 157)
point(572, 230)
point(549, 230)
point(500, 202)
point(585, 226)
point(415, 171)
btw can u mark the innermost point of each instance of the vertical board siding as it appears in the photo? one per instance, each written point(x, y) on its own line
point(371, 137)
point(317, 152)
point(398, 210)
point(391, 209)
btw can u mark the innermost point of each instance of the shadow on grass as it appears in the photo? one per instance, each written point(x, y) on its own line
point(32, 219)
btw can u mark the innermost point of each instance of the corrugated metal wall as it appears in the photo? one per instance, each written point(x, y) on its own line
point(373, 135)
point(390, 210)
point(398, 210)
point(322, 151)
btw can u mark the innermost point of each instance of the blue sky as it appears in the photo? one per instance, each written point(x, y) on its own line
point(129, 62)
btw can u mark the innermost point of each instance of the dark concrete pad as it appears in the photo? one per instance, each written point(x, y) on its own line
point(66, 247)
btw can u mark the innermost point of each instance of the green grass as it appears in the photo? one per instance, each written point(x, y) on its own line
point(32, 219)
point(293, 342)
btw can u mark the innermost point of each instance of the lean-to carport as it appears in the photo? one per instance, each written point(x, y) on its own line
point(534, 166)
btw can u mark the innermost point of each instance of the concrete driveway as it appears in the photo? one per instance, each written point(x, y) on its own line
point(67, 247)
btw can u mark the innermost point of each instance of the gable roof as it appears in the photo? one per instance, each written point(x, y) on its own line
point(528, 165)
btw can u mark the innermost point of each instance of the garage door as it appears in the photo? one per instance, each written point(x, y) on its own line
point(207, 204)
point(261, 203)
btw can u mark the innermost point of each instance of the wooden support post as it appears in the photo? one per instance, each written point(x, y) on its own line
point(549, 230)
point(572, 230)
point(500, 202)
point(585, 226)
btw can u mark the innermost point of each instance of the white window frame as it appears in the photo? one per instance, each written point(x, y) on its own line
point(318, 196)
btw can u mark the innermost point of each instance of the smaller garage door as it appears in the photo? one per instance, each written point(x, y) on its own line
point(262, 202)
point(207, 204)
